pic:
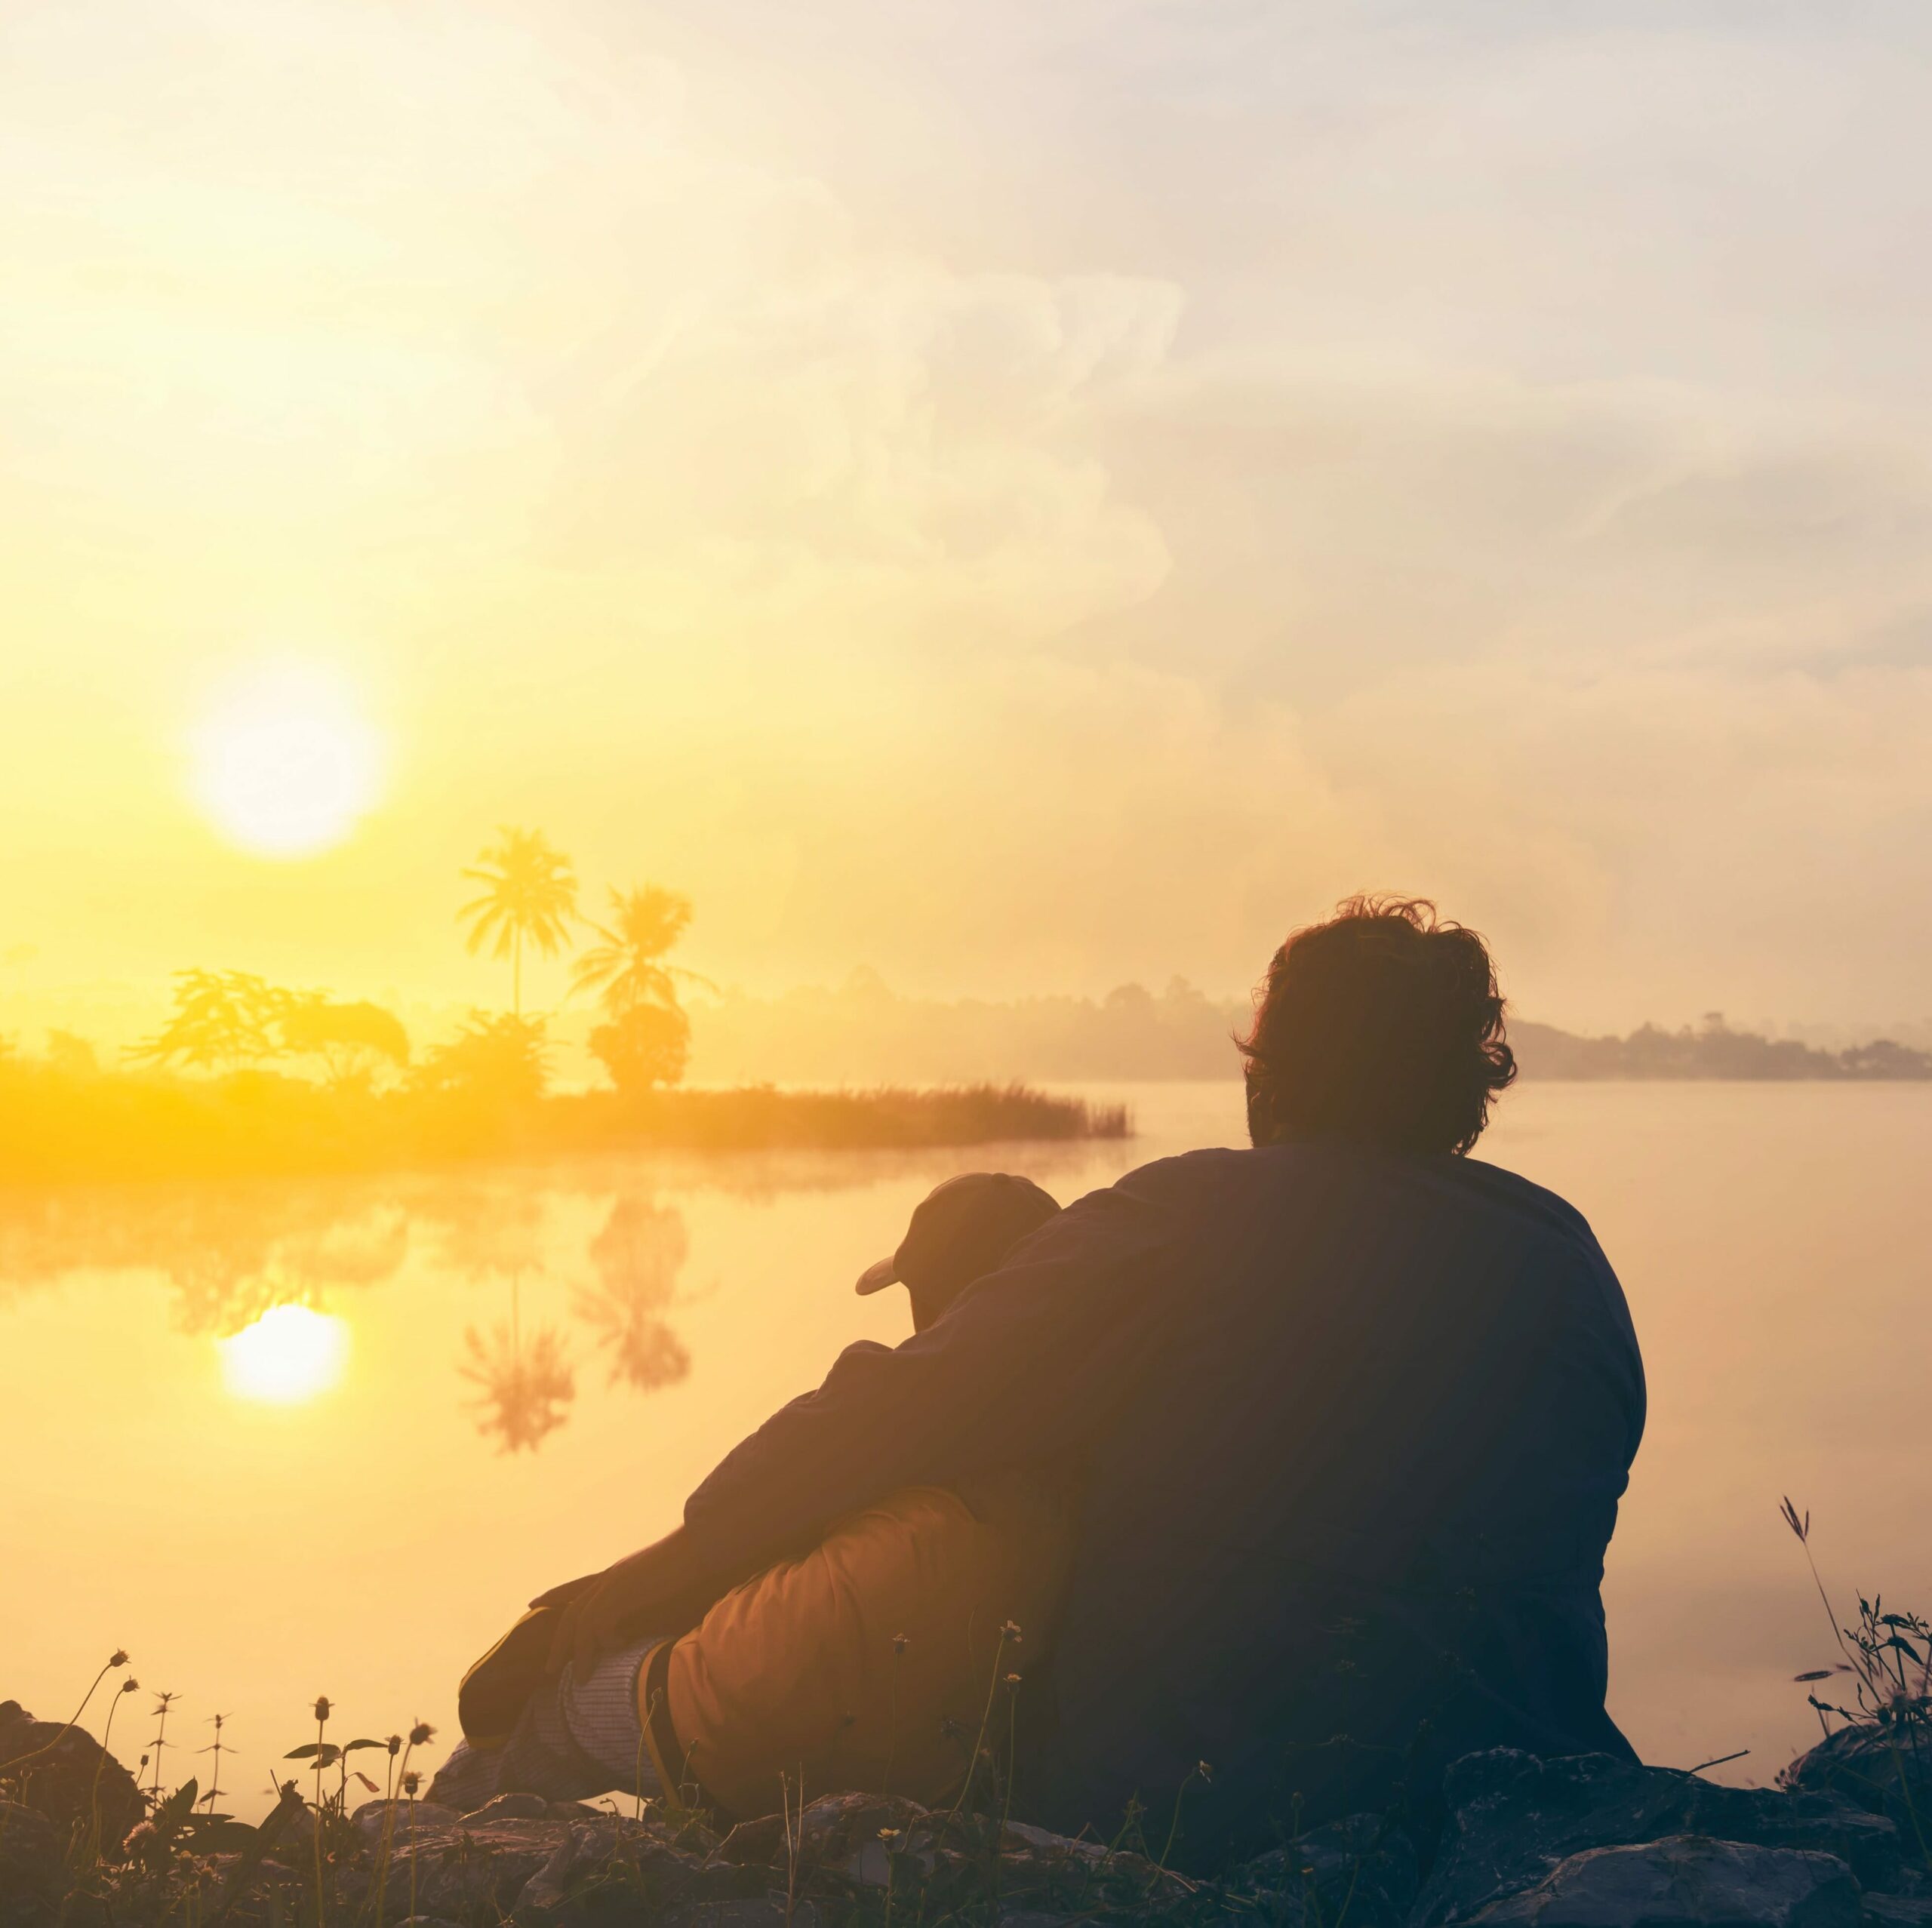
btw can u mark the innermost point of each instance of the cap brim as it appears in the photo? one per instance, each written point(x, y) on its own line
point(876, 1278)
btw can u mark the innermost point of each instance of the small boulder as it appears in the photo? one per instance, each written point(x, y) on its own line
point(1513, 1817)
point(1685, 1881)
point(510, 1808)
point(478, 1869)
point(32, 1875)
point(65, 1774)
point(1898, 1911)
point(423, 1817)
point(831, 1829)
point(1873, 1767)
point(547, 1889)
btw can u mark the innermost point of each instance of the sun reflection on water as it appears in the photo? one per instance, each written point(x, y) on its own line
point(291, 1353)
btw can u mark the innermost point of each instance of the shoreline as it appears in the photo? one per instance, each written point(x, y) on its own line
point(113, 1127)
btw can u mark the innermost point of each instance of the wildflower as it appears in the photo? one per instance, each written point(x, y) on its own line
point(900, 1643)
point(118, 1658)
point(394, 1744)
point(411, 1781)
point(1206, 1772)
point(1012, 1679)
point(888, 1834)
point(130, 1687)
point(422, 1734)
point(1009, 1632)
point(321, 1707)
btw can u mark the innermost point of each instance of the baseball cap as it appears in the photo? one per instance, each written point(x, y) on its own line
point(961, 1229)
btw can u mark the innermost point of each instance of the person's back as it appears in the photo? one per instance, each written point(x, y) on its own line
point(1368, 1486)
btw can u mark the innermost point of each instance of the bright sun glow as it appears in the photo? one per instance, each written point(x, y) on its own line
point(284, 762)
point(290, 1354)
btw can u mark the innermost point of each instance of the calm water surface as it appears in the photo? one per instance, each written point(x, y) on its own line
point(497, 1380)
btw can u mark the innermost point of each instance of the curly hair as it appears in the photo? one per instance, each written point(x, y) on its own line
point(1382, 1024)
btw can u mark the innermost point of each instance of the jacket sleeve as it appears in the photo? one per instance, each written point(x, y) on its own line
point(1035, 1359)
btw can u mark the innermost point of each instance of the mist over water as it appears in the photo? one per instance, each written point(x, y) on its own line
point(286, 1439)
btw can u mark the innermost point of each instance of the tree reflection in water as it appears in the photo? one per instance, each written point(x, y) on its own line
point(524, 1380)
point(637, 1255)
point(227, 1252)
point(525, 1385)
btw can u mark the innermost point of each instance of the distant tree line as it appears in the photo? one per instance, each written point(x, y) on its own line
point(1711, 1049)
point(224, 1023)
point(863, 1029)
point(245, 1075)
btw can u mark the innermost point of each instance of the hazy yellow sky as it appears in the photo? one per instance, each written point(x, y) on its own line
point(1021, 496)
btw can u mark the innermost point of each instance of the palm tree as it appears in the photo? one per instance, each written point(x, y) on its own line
point(530, 893)
point(627, 969)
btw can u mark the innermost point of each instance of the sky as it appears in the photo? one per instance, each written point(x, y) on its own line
point(1020, 498)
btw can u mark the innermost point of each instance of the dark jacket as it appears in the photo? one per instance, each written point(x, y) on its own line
point(1356, 1425)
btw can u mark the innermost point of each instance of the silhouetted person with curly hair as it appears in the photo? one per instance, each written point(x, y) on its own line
point(1353, 1413)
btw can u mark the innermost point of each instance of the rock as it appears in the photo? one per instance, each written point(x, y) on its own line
point(831, 1829)
point(476, 1867)
point(1059, 1847)
point(33, 1877)
point(1898, 1911)
point(1685, 1881)
point(65, 1775)
point(549, 1887)
point(1361, 1865)
point(510, 1807)
point(605, 1871)
point(1513, 1817)
point(424, 1816)
point(1870, 1766)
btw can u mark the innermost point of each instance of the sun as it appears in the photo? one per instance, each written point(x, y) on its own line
point(290, 1354)
point(284, 761)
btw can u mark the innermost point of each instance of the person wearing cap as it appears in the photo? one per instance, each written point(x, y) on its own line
point(863, 1661)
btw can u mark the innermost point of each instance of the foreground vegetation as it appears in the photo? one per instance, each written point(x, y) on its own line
point(1845, 1841)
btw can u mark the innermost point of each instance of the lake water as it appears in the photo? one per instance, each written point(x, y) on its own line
point(498, 1379)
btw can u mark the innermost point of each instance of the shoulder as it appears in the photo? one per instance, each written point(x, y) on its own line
point(1536, 1205)
point(1152, 1206)
point(1224, 1186)
point(1177, 1186)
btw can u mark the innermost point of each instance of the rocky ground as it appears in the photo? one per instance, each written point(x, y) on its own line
point(1583, 1842)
